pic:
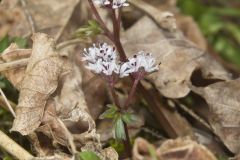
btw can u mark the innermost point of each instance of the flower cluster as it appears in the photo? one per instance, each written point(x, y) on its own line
point(115, 3)
point(140, 62)
point(102, 59)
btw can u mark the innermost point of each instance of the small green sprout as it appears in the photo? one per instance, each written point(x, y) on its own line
point(91, 29)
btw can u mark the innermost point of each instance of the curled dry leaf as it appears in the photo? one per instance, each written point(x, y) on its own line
point(224, 102)
point(69, 105)
point(184, 149)
point(39, 82)
point(141, 149)
point(177, 56)
point(50, 90)
point(178, 149)
point(15, 76)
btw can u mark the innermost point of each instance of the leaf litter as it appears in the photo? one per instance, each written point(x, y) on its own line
point(50, 84)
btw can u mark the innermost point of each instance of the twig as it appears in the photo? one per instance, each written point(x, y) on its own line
point(7, 103)
point(69, 43)
point(28, 15)
point(13, 148)
point(194, 115)
point(2, 103)
point(69, 136)
point(13, 64)
point(23, 62)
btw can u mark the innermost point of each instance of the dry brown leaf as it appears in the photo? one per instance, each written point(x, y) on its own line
point(10, 16)
point(178, 149)
point(178, 57)
point(47, 73)
point(69, 105)
point(141, 149)
point(184, 149)
point(39, 82)
point(15, 76)
point(48, 16)
point(166, 20)
point(224, 101)
point(191, 30)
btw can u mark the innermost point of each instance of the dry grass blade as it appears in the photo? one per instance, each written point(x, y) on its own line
point(13, 148)
point(7, 103)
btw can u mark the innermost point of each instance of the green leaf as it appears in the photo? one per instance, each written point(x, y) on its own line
point(128, 118)
point(153, 153)
point(21, 42)
point(234, 30)
point(4, 43)
point(88, 155)
point(110, 113)
point(8, 158)
point(90, 30)
point(117, 145)
point(119, 131)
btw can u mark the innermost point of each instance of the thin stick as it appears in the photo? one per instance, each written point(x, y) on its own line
point(14, 64)
point(69, 43)
point(29, 16)
point(13, 148)
point(7, 103)
point(2, 103)
point(194, 115)
point(69, 136)
point(23, 62)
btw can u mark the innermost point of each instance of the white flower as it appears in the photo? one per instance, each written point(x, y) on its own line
point(119, 3)
point(102, 2)
point(142, 61)
point(102, 59)
point(115, 4)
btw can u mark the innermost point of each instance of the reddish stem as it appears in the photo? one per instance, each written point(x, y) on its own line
point(99, 19)
point(131, 94)
point(115, 38)
point(127, 142)
point(114, 95)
